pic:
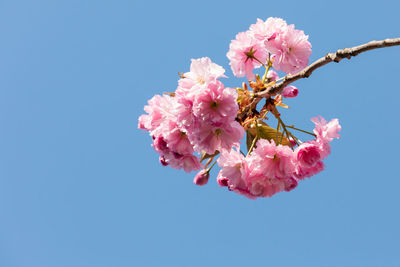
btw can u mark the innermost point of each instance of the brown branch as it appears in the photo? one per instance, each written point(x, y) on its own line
point(335, 57)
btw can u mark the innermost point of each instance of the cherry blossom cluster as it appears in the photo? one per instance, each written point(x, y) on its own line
point(272, 168)
point(287, 48)
point(198, 117)
point(203, 120)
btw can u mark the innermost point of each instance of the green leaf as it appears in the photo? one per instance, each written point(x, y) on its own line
point(265, 132)
point(249, 138)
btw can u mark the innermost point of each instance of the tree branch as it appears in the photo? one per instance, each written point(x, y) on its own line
point(335, 57)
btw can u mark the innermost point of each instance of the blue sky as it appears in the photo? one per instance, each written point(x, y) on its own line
point(81, 186)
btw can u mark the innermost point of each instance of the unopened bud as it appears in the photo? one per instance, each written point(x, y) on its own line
point(272, 76)
point(292, 142)
point(163, 161)
point(201, 177)
point(290, 91)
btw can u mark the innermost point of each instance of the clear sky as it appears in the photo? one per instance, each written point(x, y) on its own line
point(81, 186)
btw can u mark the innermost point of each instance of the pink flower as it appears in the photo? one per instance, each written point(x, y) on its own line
point(263, 186)
point(290, 91)
point(169, 139)
point(216, 103)
point(184, 111)
point(233, 172)
point(326, 131)
point(210, 138)
point(303, 172)
point(290, 49)
point(159, 108)
point(267, 30)
point(187, 162)
point(177, 140)
point(290, 184)
point(274, 161)
point(308, 154)
point(201, 177)
point(203, 71)
point(244, 54)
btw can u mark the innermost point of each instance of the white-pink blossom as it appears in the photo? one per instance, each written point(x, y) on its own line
point(216, 104)
point(326, 130)
point(290, 50)
point(245, 53)
point(159, 108)
point(234, 172)
point(210, 138)
point(275, 161)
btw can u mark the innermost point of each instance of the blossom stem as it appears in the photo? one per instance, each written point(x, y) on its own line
point(252, 145)
point(259, 61)
point(292, 127)
point(265, 114)
point(209, 161)
point(267, 69)
point(277, 132)
point(209, 169)
point(288, 134)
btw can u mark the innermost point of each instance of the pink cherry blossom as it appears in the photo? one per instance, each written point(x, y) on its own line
point(290, 49)
point(233, 173)
point(268, 30)
point(290, 183)
point(244, 54)
point(187, 162)
point(275, 161)
point(263, 186)
point(303, 172)
point(308, 154)
point(326, 130)
point(210, 138)
point(203, 70)
point(159, 108)
point(216, 103)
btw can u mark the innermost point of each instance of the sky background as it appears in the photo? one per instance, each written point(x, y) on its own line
point(80, 185)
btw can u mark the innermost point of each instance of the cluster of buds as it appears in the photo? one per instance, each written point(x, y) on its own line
point(203, 120)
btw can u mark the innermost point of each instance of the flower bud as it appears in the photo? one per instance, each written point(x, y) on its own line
point(163, 161)
point(292, 142)
point(290, 91)
point(201, 177)
point(272, 76)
